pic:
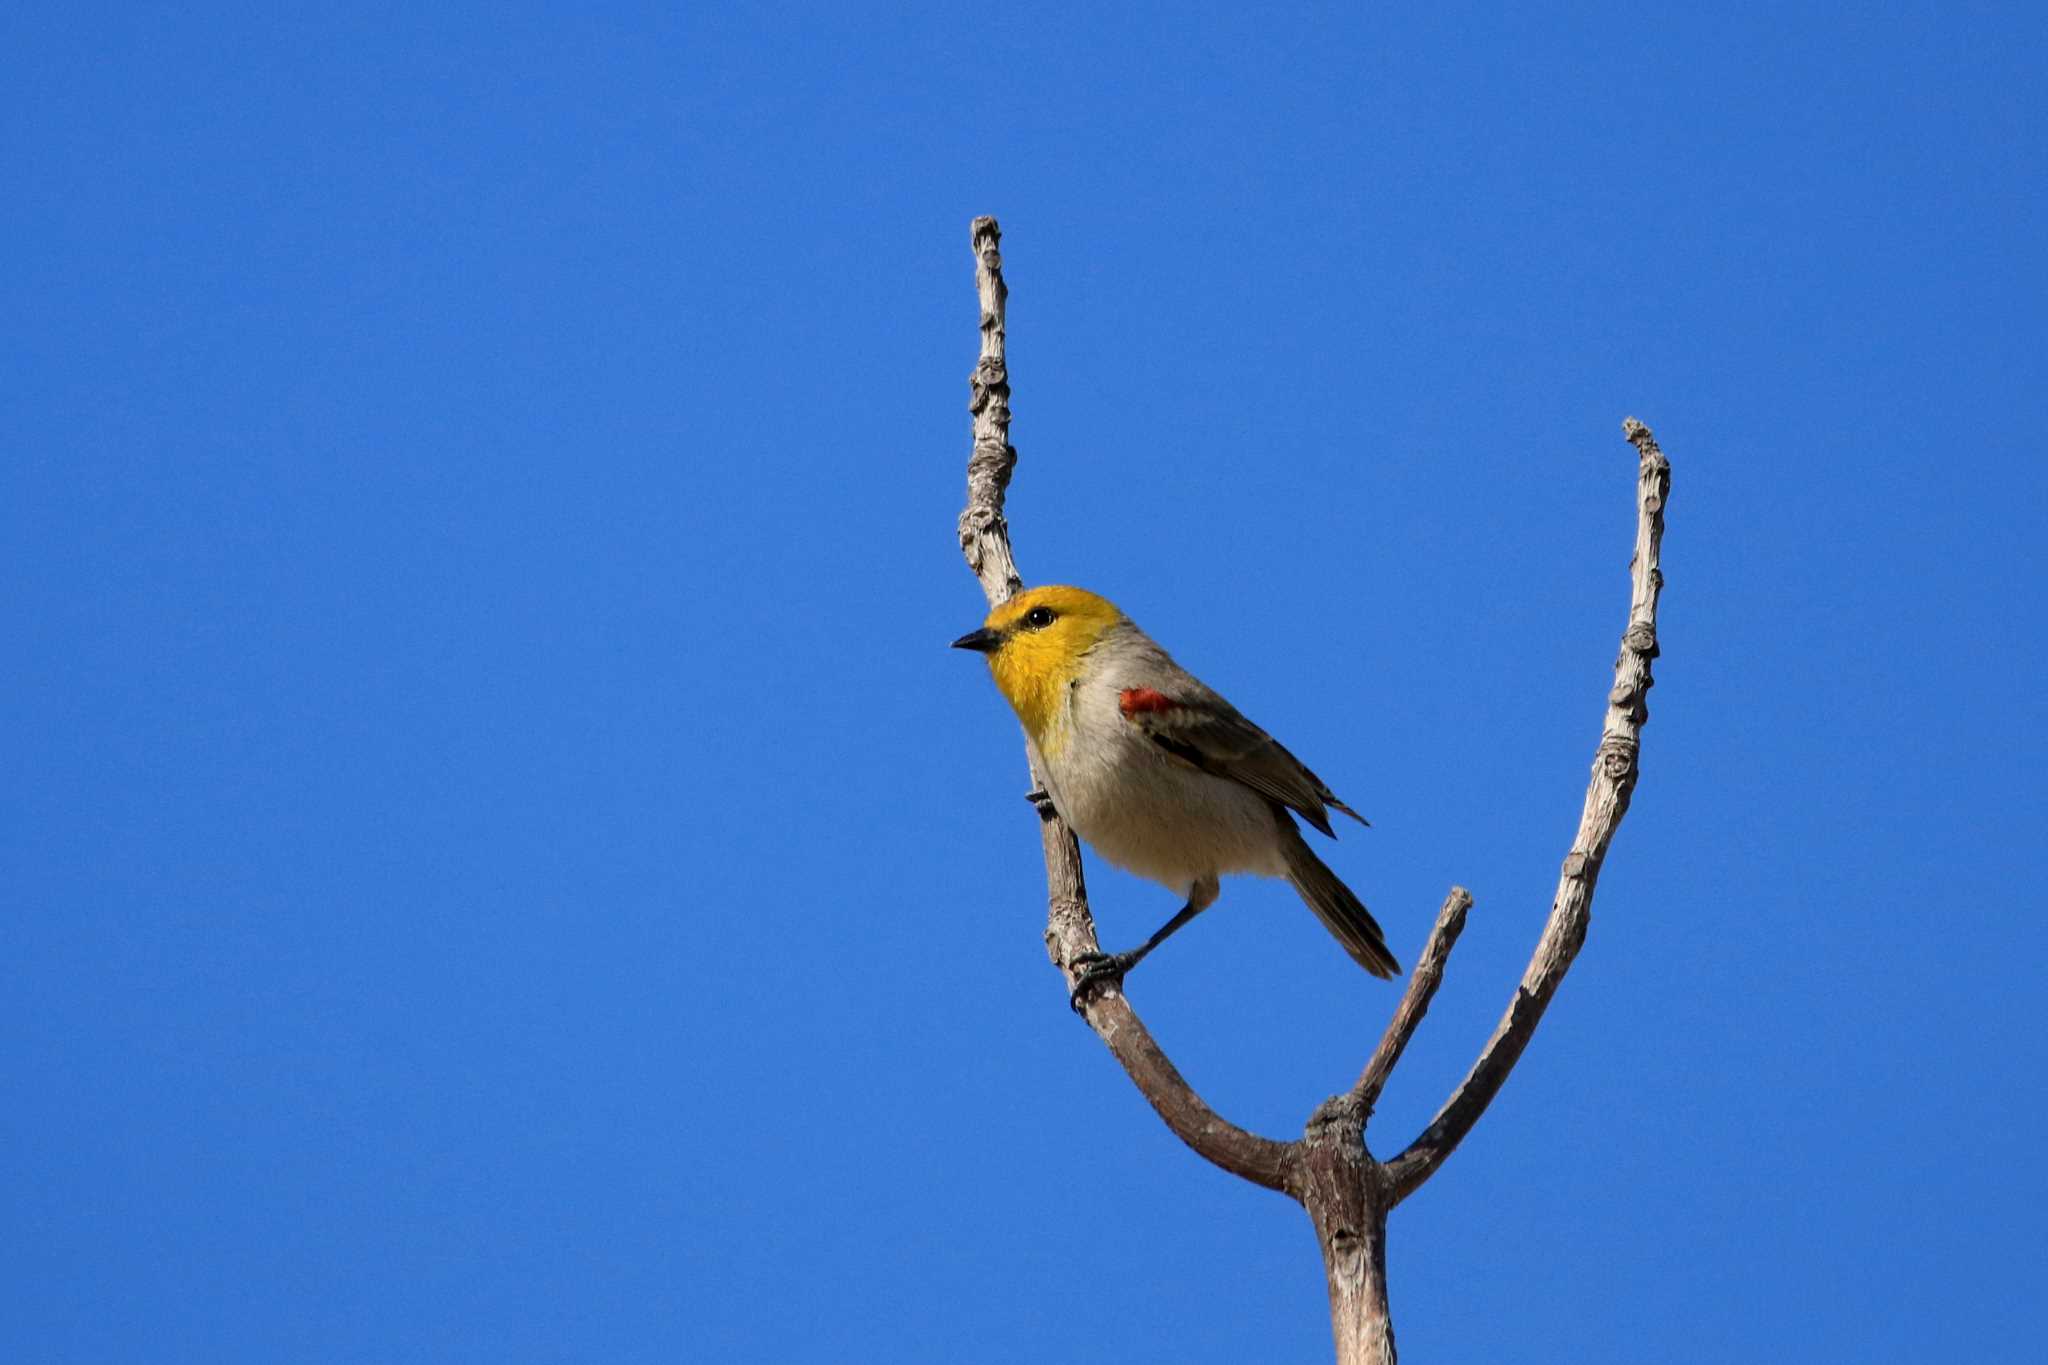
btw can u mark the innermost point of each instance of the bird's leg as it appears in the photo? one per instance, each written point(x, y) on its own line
point(1094, 967)
point(1041, 801)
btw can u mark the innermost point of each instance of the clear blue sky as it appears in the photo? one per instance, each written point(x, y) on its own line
point(501, 866)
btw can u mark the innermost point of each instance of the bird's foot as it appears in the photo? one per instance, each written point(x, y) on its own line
point(1094, 968)
point(1041, 801)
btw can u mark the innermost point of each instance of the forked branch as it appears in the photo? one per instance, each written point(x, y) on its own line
point(1328, 1170)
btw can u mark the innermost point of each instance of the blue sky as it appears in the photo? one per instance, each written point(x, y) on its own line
point(502, 867)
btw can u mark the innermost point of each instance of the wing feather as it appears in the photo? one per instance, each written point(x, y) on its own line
point(1209, 733)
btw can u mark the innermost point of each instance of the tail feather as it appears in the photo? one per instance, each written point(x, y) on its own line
point(1342, 913)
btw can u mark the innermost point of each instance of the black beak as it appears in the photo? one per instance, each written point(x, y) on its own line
point(983, 641)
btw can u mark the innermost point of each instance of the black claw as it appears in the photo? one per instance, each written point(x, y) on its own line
point(1041, 801)
point(1094, 967)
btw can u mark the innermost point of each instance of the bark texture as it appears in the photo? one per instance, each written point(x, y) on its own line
point(1328, 1170)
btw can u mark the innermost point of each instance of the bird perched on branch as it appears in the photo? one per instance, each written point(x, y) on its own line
point(1158, 772)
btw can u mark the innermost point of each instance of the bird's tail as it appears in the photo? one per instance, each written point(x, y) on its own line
point(1342, 913)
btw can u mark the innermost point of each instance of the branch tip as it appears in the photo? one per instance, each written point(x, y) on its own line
point(1422, 985)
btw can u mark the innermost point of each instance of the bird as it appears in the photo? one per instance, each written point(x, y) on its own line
point(1159, 773)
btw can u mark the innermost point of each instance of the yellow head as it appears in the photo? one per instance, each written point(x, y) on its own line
point(1035, 643)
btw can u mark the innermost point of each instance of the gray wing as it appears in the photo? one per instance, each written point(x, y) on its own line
point(1198, 727)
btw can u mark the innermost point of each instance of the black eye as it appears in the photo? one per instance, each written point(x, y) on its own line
point(1038, 618)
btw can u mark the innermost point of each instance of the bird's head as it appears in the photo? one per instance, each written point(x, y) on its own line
point(1035, 643)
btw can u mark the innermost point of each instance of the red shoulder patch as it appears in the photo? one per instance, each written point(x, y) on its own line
point(1135, 699)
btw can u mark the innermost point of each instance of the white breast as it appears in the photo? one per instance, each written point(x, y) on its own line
point(1145, 810)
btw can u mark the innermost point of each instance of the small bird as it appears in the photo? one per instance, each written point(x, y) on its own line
point(1158, 772)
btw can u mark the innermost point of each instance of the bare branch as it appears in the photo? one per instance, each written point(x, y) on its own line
point(1346, 1193)
point(1260, 1160)
point(984, 534)
point(1422, 984)
point(1607, 796)
point(1070, 928)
